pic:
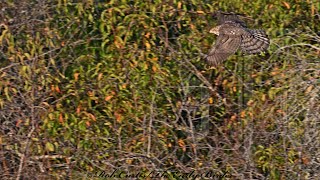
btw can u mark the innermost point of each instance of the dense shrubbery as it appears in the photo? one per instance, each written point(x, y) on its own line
point(98, 86)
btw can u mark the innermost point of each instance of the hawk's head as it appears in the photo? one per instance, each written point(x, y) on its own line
point(215, 30)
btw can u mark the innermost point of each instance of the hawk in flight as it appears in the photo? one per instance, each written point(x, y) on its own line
point(233, 34)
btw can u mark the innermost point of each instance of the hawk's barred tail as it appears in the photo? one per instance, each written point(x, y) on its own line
point(255, 42)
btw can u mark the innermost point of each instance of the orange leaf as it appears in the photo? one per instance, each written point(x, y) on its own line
point(305, 160)
point(148, 46)
point(18, 122)
point(11, 58)
point(179, 5)
point(210, 100)
point(243, 114)
point(78, 109)
point(287, 5)
point(88, 123)
point(154, 59)
point(312, 9)
point(92, 116)
point(90, 93)
point(100, 76)
point(154, 69)
point(129, 161)
point(52, 88)
point(182, 144)
point(142, 139)
point(280, 111)
point(234, 89)
point(118, 45)
point(58, 89)
point(250, 102)
point(60, 118)
point(224, 82)
point(309, 89)
point(179, 25)
point(147, 35)
point(192, 26)
point(76, 75)
point(107, 98)
point(233, 117)
point(200, 12)
point(118, 116)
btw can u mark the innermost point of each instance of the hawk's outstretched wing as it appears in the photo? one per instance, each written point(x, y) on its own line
point(222, 49)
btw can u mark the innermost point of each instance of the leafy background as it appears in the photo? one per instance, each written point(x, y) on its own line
point(92, 86)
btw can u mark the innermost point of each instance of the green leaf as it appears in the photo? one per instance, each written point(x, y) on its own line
point(49, 147)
